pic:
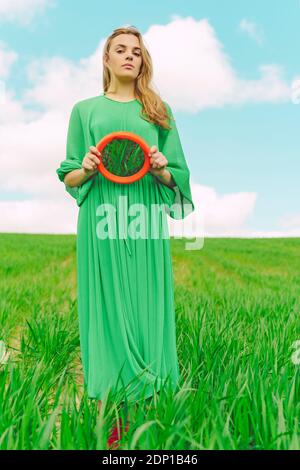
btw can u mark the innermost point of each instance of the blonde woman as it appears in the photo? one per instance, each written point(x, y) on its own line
point(125, 286)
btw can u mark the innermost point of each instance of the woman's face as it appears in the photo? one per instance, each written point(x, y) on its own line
point(119, 55)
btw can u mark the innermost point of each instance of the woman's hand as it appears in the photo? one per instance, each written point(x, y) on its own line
point(91, 161)
point(158, 161)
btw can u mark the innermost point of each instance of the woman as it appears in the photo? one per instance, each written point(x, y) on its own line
point(125, 286)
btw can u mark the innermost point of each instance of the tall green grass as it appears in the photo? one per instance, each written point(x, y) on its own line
point(237, 320)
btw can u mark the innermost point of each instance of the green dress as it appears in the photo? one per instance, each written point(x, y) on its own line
point(125, 285)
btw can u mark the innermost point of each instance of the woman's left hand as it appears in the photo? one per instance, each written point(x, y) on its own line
point(158, 161)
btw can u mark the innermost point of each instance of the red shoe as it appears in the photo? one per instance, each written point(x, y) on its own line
point(112, 442)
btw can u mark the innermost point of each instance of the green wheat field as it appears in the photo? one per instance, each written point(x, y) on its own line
point(238, 340)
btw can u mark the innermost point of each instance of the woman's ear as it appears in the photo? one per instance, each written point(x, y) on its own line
point(105, 59)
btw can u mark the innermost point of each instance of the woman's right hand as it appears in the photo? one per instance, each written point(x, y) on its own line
point(91, 161)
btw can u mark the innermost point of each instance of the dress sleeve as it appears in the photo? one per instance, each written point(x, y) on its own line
point(178, 199)
point(75, 151)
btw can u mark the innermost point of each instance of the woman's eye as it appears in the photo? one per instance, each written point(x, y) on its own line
point(134, 54)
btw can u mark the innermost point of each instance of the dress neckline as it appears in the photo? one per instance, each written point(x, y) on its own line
point(116, 101)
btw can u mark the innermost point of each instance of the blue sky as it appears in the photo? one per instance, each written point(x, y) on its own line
point(251, 146)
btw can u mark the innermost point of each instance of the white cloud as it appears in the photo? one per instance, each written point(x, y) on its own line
point(12, 111)
point(270, 88)
point(214, 213)
point(39, 216)
point(223, 212)
point(37, 148)
point(7, 58)
point(58, 82)
point(185, 51)
point(193, 70)
point(22, 11)
point(252, 29)
point(292, 221)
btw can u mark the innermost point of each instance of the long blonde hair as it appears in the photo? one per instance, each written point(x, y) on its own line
point(153, 108)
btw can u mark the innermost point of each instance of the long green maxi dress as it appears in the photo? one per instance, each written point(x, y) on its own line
point(125, 285)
